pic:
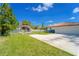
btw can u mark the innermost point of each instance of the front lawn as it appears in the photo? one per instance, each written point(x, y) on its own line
point(39, 32)
point(24, 45)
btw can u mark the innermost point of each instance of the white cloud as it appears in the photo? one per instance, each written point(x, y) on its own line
point(43, 7)
point(73, 18)
point(50, 21)
point(48, 4)
point(76, 10)
point(39, 8)
point(26, 8)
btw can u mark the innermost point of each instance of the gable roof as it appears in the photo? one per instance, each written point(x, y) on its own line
point(65, 24)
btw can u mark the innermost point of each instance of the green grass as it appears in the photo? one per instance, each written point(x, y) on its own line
point(44, 33)
point(24, 45)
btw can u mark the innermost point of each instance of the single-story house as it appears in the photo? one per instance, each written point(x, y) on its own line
point(66, 28)
point(26, 28)
point(23, 28)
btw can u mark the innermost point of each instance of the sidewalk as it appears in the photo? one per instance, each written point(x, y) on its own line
point(64, 42)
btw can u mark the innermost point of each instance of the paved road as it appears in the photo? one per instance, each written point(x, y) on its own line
point(69, 43)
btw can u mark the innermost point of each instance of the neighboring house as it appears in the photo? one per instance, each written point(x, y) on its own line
point(66, 28)
point(23, 28)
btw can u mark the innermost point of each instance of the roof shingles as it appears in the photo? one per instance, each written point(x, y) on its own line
point(65, 24)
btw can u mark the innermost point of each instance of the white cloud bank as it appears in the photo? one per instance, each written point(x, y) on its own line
point(26, 8)
point(76, 10)
point(50, 21)
point(43, 7)
point(73, 18)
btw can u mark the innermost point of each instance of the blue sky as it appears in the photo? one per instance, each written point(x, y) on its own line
point(47, 13)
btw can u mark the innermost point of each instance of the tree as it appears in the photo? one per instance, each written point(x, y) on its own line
point(8, 21)
point(42, 27)
point(25, 22)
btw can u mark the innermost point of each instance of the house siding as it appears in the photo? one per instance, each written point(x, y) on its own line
point(67, 30)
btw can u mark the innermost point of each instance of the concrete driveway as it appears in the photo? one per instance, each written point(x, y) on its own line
point(69, 43)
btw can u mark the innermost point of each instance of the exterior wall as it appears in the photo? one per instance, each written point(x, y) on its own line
point(67, 30)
